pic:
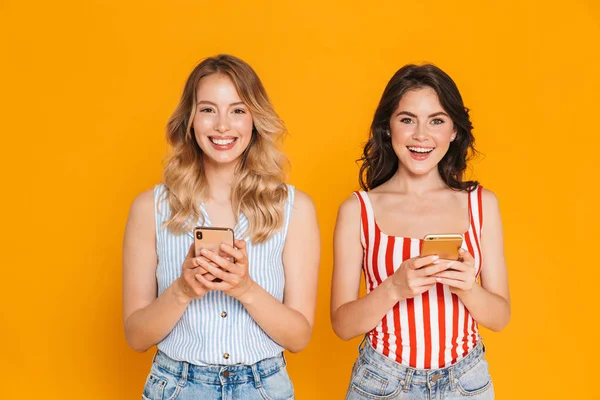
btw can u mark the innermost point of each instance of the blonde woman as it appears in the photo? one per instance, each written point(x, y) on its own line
point(220, 326)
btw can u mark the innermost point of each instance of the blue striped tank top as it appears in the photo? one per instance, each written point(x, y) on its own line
point(216, 328)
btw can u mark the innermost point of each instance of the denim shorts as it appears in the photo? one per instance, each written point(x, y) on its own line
point(266, 380)
point(376, 377)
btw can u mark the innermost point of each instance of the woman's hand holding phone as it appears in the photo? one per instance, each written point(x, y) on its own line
point(416, 276)
point(189, 286)
point(461, 275)
point(235, 280)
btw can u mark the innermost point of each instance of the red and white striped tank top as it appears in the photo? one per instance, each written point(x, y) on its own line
point(432, 330)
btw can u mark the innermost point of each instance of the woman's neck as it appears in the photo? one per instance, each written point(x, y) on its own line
point(220, 178)
point(405, 182)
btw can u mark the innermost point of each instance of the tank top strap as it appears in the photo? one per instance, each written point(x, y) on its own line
point(162, 211)
point(367, 218)
point(476, 210)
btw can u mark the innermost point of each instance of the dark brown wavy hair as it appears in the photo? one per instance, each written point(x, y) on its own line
point(380, 162)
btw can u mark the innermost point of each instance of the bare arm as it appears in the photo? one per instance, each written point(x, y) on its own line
point(289, 323)
point(488, 302)
point(148, 318)
point(352, 316)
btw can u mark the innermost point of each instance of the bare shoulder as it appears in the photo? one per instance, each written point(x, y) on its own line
point(489, 200)
point(350, 206)
point(143, 204)
point(140, 228)
point(303, 202)
point(303, 227)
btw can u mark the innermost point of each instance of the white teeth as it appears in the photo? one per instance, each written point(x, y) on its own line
point(420, 149)
point(222, 142)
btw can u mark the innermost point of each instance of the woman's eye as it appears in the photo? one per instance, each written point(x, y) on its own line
point(406, 120)
point(239, 111)
point(206, 110)
point(437, 121)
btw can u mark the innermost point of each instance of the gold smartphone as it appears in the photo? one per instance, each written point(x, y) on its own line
point(211, 238)
point(446, 246)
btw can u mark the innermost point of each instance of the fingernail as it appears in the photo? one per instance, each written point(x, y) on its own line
point(438, 279)
point(436, 262)
point(204, 251)
point(461, 250)
point(223, 245)
point(436, 257)
point(449, 264)
point(199, 260)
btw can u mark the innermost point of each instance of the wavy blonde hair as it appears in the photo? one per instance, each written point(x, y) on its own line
point(259, 190)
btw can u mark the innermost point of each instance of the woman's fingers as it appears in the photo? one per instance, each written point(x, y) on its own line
point(236, 254)
point(456, 275)
point(421, 262)
point(451, 282)
point(434, 269)
point(210, 285)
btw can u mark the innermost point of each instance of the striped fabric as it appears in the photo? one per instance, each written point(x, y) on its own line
point(432, 330)
point(217, 329)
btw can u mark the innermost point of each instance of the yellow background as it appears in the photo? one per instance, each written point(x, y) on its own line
point(86, 88)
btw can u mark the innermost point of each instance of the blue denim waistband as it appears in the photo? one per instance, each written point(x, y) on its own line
point(220, 374)
point(422, 376)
